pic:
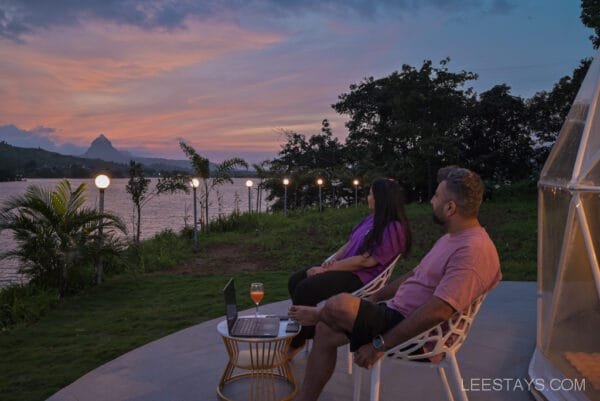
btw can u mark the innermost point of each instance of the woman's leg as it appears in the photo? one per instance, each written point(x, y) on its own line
point(294, 280)
point(315, 289)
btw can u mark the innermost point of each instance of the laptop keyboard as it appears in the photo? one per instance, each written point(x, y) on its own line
point(246, 327)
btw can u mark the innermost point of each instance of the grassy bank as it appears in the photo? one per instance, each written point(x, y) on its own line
point(128, 310)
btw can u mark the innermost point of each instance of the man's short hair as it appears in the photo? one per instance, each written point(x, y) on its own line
point(466, 190)
point(444, 171)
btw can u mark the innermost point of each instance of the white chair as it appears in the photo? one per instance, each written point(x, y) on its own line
point(378, 282)
point(441, 343)
point(368, 289)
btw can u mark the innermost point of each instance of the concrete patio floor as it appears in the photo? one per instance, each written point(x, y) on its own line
point(187, 365)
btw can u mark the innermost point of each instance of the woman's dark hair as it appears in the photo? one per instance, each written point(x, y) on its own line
point(389, 207)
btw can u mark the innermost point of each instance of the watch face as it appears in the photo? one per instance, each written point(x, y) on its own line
point(378, 342)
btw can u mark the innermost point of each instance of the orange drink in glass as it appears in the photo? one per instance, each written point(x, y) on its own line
point(257, 293)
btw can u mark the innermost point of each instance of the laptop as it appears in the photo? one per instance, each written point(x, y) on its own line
point(246, 326)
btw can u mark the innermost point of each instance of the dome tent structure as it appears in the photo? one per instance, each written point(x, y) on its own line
point(566, 362)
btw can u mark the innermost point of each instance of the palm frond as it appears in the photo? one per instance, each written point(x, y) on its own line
point(200, 164)
point(224, 171)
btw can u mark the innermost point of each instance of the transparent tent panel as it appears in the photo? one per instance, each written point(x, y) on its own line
point(575, 326)
point(569, 215)
point(554, 210)
point(559, 167)
point(587, 91)
point(591, 207)
point(591, 152)
point(561, 161)
point(592, 176)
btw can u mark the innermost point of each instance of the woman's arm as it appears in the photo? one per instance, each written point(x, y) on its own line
point(353, 263)
point(333, 258)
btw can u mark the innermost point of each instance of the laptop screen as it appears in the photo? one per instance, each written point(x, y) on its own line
point(230, 303)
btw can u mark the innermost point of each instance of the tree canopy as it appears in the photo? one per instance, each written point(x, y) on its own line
point(412, 122)
point(590, 16)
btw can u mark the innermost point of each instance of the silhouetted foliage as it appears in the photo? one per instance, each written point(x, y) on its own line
point(138, 187)
point(590, 16)
point(494, 138)
point(414, 121)
point(210, 181)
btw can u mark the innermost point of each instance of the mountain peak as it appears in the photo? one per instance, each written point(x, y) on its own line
point(101, 140)
point(101, 148)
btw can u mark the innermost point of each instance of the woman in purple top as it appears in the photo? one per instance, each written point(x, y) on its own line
point(372, 245)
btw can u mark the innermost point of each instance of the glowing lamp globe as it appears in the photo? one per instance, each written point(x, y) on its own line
point(102, 181)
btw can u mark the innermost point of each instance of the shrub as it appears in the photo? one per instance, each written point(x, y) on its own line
point(164, 250)
point(24, 304)
point(56, 234)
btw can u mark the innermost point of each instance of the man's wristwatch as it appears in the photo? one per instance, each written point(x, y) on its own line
point(378, 343)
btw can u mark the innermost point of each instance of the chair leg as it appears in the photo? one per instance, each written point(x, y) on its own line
point(357, 384)
point(456, 377)
point(444, 378)
point(375, 380)
point(350, 362)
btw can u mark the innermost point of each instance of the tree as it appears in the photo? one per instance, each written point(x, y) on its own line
point(302, 160)
point(56, 234)
point(405, 125)
point(138, 186)
point(263, 173)
point(495, 139)
point(590, 16)
point(222, 174)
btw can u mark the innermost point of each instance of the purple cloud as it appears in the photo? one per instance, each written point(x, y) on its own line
point(39, 137)
point(18, 18)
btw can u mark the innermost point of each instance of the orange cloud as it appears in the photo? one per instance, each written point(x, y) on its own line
point(93, 73)
point(146, 89)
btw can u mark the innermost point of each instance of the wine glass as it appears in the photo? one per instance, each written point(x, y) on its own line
point(257, 292)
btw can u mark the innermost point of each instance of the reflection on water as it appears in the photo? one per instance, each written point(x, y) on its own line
point(162, 212)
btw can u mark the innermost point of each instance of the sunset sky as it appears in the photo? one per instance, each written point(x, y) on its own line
point(227, 76)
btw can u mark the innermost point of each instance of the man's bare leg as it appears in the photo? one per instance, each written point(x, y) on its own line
point(321, 362)
point(338, 312)
point(336, 318)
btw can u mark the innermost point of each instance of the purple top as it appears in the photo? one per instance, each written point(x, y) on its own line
point(393, 242)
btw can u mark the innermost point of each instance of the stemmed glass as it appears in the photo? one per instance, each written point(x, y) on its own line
point(257, 292)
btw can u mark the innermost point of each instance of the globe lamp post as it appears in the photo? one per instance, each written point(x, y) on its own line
point(249, 184)
point(195, 183)
point(320, 184)
point(102, 182)
point(286, 182)
point(355, 183)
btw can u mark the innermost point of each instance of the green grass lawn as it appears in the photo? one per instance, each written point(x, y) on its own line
point(82, 332)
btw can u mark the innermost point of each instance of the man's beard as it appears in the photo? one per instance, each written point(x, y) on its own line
point(436, 219)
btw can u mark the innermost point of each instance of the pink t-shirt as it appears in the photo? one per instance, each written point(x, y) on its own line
point(459, 268)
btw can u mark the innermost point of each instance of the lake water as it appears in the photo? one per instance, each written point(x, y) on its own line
point(162, 212)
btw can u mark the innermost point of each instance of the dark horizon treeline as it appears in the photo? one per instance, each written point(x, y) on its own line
point(409, 124)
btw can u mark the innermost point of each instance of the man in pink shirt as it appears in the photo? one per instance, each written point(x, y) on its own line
point(462, 265)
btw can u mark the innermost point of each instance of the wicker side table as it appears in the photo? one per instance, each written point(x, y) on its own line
point(262, 361)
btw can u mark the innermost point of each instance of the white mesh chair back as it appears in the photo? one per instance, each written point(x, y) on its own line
point(438, 344)
point(441, 339)
point(370, 288)
point(378, 282)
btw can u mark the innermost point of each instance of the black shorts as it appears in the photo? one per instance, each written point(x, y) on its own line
point(372, 320)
